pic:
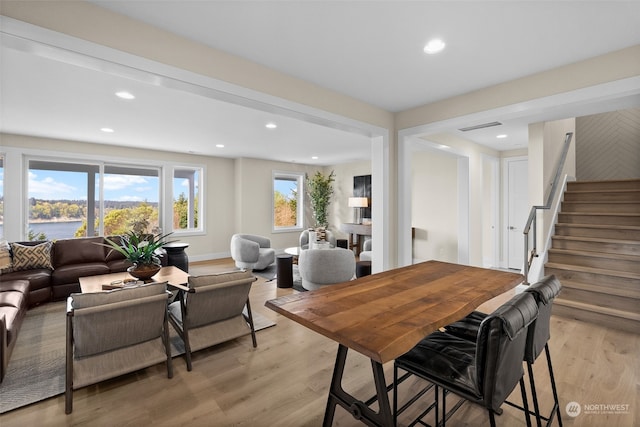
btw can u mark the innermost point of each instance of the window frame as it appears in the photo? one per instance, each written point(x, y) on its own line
point(18, 200)
point(299, 177)
point(200, 229)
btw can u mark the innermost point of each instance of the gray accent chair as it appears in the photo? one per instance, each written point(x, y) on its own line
point(113, 333)
point(323, 267)
point(303, 240)
point(215, 309)
point(251, 252)
point(366, 254)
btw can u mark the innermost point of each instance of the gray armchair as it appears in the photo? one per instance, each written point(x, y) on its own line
point(113, 333)
point(215, 309)
point(367, 253)
point(303, 240)
point(252, 252)
point(323, 267)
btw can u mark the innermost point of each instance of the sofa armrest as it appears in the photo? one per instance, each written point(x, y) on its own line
point(4, 351)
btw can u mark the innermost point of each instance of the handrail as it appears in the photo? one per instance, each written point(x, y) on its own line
point(532, 220)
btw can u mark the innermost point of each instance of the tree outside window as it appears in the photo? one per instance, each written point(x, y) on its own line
point(287, 201)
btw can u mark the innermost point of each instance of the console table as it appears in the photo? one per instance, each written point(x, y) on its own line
point(359, 230)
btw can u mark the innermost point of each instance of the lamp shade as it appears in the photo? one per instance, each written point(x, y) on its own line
point(358, 202)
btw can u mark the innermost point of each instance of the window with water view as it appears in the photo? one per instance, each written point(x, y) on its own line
point(65, 202)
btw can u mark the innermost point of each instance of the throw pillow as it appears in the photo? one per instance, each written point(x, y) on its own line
point(31, 257)
point(5, 258)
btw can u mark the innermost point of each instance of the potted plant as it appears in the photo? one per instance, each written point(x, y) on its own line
point(320, 189)
point(140, 249)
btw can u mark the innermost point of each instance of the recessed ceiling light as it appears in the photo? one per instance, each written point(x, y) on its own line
point(271, 125)
point(434, 46)
point(125, 95)
point(501, 136)
point(220, 145)
point(107, 130)
point(314, 157)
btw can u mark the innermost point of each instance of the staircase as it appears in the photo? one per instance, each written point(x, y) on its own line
point(595, 253)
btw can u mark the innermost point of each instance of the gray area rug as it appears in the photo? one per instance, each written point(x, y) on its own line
point(34, 377)
point(270, 274)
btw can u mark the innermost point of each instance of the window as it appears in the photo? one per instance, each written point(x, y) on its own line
point(64, 199)
point(131, 199)
point(1, 197)
point(287, 201)
point(186, 199)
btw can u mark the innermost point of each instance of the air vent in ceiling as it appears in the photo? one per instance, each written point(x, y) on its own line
point(482, 126)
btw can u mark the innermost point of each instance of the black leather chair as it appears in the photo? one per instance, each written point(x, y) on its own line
point(484, 372)
point(538, 337)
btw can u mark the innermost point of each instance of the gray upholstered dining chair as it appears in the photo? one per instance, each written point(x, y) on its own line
point(113, 333)
point(251, 252)
point(214, 310)
point(484, 371)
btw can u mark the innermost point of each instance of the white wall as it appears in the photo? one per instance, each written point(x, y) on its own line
point(434, 210)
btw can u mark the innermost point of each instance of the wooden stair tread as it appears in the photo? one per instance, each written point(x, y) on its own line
point(616, 273)
point(598, 309)
point(595, 254)
point(608, 290)
point(599, 226)
point(597, 240)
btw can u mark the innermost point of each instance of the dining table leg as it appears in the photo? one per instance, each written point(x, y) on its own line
point(358, 409)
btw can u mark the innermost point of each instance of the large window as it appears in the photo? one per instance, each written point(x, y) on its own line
point(65, 199)
point(1, 197)
point(186, 199)
point(287, 201)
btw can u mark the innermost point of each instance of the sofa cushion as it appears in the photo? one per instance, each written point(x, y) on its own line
point(21, 286)
point(31, 257)
point(68, 274)
point(78, 251)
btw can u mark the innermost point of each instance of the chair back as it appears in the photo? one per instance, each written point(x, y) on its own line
point(500, 348)
point(217, 297)
point(106, 321)
point(319, 267)
point(539, 333)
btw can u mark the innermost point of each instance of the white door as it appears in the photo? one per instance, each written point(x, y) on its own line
point(517, 210)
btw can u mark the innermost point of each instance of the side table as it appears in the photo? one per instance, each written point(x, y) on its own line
point(176, 255)
point(284, 271)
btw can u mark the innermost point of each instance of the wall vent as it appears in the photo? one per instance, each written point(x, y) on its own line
point(482, 126)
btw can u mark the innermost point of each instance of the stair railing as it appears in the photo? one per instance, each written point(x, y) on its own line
point(532, 221)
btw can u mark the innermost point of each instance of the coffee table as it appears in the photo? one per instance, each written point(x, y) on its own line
point(172, 275)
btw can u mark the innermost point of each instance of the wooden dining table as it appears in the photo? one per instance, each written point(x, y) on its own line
point(384, 315)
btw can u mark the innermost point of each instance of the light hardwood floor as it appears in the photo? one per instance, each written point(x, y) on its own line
point(284, 381)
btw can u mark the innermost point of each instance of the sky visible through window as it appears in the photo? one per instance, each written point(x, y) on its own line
point(285, 186)
point(54, 185)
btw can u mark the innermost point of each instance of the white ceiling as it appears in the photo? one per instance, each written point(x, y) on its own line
point(369, 50)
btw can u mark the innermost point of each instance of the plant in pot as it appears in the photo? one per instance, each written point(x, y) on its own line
point(320, 190)
point(141, 250)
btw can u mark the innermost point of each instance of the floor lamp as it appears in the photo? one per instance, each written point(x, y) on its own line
point(358, 203)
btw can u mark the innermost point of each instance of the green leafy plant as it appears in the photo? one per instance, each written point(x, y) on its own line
point(139, 248)
point(320, 190)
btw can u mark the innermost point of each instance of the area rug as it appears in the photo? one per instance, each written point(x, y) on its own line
point(270, 274)
point(37, 376)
